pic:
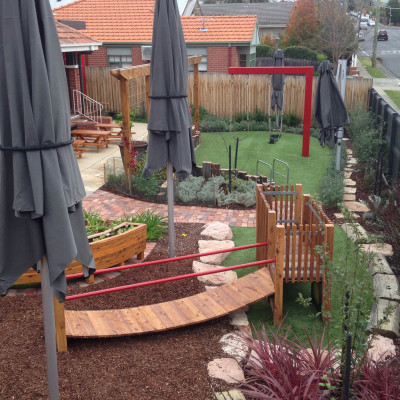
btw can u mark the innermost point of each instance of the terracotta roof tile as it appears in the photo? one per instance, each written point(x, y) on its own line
point(68, 35)
point(132, 21)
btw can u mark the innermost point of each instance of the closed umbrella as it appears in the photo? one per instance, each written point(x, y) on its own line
point(277, 81)
point(329, 108)
point(41, 219)
point(170, 122)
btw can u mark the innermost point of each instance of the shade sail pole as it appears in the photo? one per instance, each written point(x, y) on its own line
point(170, 196)
point(49, 331)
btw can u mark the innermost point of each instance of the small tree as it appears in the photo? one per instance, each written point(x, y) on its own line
point(302, 27)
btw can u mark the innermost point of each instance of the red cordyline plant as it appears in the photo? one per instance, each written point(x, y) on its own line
point(280, 368)
point(379, 380)
point(131, 151)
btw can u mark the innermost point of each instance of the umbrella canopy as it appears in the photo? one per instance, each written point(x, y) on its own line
point(170, 122)
point(278, 81)
point(329, 108)
point(40, 200)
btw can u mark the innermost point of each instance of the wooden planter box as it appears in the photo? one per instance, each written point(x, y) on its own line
point(108, 252)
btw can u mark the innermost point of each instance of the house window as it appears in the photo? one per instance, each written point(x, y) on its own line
point(242, 60)
point(119, 57)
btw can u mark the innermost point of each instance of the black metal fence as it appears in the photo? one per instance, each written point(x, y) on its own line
point(390, 123)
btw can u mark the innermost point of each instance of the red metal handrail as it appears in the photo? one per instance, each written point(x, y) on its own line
point(164, 280)
point(167, 260)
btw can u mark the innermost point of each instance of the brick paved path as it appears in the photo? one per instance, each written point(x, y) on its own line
point(112, 206)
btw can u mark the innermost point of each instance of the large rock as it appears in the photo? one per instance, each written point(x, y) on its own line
point(389, 328)
point(355, 206)
point(217, 231)
point(233, 345)
point(384, 248)
point(231, 395)
point(381, 347)
point(355, 232)
point(239, 319)
point(213, 245)
point(380, 265)
point(226, 369)
point(217, 279)
point(386, 287)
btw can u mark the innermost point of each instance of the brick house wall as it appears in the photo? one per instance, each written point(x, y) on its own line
point(98, 58)
point(73, 83)
point(137, 56)
point(219, 59)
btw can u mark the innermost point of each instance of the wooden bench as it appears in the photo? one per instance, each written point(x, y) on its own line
point(92, 137)
point(115, 134)
point(77, 145)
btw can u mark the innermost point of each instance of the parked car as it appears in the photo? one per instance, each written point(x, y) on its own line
point(364, 23)
point(383, 35)
point(371, 22)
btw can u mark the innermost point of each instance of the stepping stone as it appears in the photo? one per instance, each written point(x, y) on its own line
point(226, 369)
point(338, 215)
point(212, 245)
point(231, 395)
point(381, 347)
point(356, 206)
point(351, 232)
point(348, 168)
point(217, 231)
point(350, 182)
point(349, 197)
point(347, 174)
point(218, 279)
point(233, 345)
point(385, 249)
point(349, 152)
point(349, 190)
point(389, 328)
point(352, 161)
point(239, 319)
point(380, 265)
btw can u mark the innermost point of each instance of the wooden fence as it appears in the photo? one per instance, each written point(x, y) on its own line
point(222, 94)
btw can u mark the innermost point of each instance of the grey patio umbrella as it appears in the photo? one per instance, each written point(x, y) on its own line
point(170, 122)
point(41, 219)
point(278, 81)
point(329, 108)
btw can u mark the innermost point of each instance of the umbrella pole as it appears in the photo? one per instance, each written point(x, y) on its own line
point(49, 331)
point(170, 196)
point(339, 148)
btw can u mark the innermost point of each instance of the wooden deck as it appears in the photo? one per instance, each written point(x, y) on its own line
point(172, 314)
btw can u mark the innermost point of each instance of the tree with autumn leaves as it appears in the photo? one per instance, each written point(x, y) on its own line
point(323, 26)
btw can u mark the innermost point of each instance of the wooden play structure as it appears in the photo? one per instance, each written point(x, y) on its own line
point(289, 226)
point(293, 224)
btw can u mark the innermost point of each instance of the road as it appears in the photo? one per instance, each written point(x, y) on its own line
point(388, 51)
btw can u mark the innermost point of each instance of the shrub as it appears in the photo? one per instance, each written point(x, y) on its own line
point(202, 112)
point(279, 368)
point(264, 51)
point(212, 123)
point(115, 180)
point(146, 187)
point(332, 188)
point(189, 188)
point(208, 192)
point(291, 119)
point(156, 224)
point(300, 52)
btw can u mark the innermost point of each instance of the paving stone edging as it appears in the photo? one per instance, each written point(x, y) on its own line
point(385, 283)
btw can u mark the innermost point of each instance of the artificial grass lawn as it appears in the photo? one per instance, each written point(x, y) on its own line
point(254, 146)
point(298, 317)
point(394, 95)
point(373, 71)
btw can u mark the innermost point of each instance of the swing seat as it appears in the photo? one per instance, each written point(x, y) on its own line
point(274, 138)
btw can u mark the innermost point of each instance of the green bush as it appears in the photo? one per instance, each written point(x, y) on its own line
point(243, 192)
point(210, 189)
point(115, 180)
point(202, 112)
point(156, 225)
point(321, 57)
point(360, 120)
point(299, 52)
point(212, 123)
point(188, 189)
point(264, 51)
point(332, 187)
point(291, 119)
point(146, 187)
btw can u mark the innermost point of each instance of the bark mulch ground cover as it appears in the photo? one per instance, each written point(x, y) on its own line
point(169, 365)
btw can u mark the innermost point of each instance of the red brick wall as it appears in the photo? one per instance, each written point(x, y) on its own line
point(137, 56)
point(73, 83)
point(98, 58)
point(219, 59)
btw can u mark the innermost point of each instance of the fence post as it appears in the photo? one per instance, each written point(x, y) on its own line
point(278, 278)
point(298, 204)
point(306, 210)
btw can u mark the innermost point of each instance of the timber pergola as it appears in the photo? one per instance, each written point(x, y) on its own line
point(124, 75)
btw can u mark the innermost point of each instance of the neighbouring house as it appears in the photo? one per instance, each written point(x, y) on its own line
point(272, 17)
point(75, 46)
point(125, 29)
